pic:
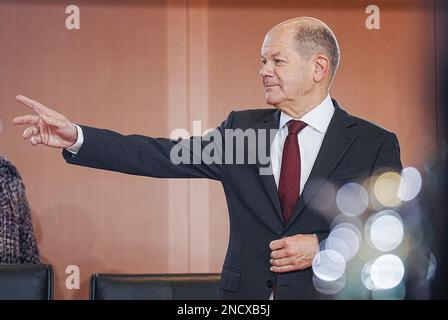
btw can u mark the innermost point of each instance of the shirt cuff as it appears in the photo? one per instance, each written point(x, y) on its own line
point(78, 144)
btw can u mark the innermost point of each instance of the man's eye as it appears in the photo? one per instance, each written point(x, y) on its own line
point(277, 61)
point(263, 61)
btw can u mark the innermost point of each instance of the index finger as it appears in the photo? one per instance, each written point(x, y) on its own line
point(36, 106)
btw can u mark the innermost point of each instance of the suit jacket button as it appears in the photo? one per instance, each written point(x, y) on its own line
point(269, 283)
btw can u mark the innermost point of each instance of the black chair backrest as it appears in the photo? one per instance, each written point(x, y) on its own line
point(194, 286)
point(26, 282)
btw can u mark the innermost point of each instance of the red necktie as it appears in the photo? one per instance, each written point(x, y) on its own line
point(289, 183)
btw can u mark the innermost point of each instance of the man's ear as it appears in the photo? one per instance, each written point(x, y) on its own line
point(321, 68)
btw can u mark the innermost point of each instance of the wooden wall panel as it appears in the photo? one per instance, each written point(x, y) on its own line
point(110, 73)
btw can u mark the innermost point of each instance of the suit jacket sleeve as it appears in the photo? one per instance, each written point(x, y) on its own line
point(148, 156)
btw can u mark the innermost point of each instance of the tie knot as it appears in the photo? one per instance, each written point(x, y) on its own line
point(295, 126)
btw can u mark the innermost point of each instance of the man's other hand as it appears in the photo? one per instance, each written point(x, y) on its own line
point(293, 253)
point(47, 127)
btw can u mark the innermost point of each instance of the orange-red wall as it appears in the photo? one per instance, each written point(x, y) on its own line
point(151, 66)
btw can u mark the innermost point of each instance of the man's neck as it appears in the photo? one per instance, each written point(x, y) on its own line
point(298, 109)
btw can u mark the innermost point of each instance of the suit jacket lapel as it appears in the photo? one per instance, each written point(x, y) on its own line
point(336, 143)
point(270, 123)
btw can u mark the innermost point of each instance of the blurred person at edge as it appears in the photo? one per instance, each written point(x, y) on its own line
point(435, 194)
point(428, 263)
point(17, 240)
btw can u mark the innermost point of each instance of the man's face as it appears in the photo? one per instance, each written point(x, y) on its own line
point(286, 76)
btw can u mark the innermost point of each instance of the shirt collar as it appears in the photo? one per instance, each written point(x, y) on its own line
point(318, 118)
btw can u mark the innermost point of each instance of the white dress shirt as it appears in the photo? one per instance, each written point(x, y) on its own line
point(310, 139)
point(77, 145)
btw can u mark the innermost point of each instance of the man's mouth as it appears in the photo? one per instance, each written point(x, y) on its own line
point(268, 84)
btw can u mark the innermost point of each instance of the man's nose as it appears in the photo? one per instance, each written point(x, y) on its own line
point(265, 71)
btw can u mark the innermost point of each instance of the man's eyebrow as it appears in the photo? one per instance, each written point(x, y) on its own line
point(275, 54)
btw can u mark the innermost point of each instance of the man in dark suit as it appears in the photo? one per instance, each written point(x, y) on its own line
point(274, 230)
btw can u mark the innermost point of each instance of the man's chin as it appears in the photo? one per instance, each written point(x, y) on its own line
point(272, 102)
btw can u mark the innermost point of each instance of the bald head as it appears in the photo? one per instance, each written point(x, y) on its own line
point(311, 37)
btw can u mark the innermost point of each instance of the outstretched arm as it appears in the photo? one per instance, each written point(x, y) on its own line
point(132, 154)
